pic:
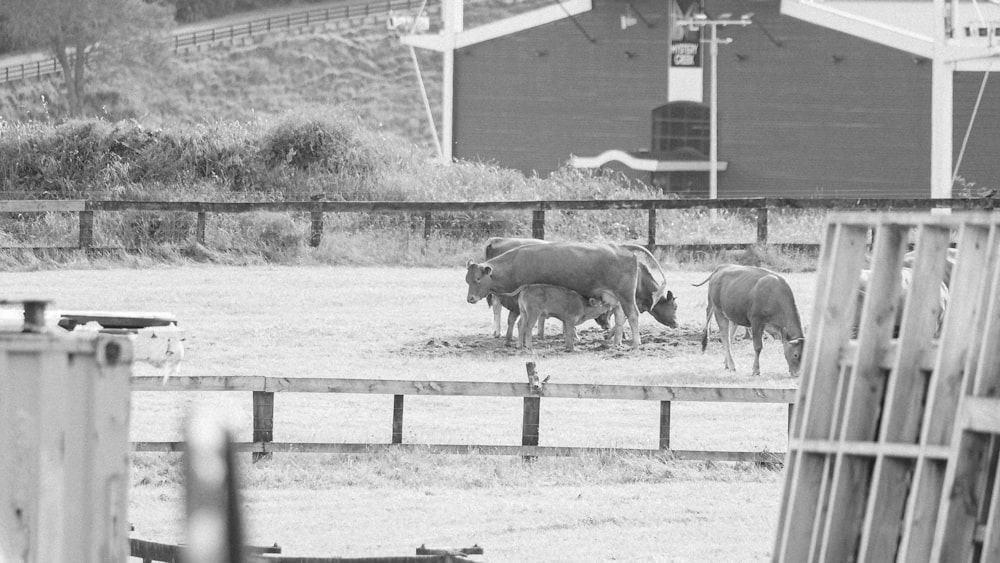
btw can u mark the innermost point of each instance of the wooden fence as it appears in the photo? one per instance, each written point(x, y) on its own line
point(264, 388)
point(184, 41)
point(317, 209)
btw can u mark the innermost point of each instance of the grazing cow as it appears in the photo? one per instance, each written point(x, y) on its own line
point(566, 305)
point(588, 269)
point(905, 280)
point(759, 299)
point(664, 311)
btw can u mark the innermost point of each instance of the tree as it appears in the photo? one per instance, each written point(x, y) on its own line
point(73, 29)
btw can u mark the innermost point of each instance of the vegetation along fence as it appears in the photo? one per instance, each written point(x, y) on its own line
point(264, 388)
point(187, 40)
point(317, 209)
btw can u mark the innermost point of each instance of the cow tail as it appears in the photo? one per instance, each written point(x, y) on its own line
point(703, 282)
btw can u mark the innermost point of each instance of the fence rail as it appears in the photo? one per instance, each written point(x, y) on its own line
point(264, 388)
point(192, 39)
point(317, 209)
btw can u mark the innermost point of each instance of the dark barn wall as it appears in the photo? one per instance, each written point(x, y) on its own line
point(823, 114)
point(980, 165)
point(529, 100)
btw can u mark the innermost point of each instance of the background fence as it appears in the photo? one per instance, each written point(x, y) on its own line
point(86, 209)
point(264, 388)
point(186, 40)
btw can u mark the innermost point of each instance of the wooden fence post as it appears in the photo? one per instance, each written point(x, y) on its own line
point(427, 225)
point(761, 225)
point(651, 238)
point(263, 421)
point(538, 224)
point(664, 425)
point(86, 229)
point(791, 418)
point(316, 231)
point(200, 228)
point(397, 419)
point(529, 424)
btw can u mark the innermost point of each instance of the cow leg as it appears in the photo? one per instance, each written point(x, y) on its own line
point(529, 323)
point(570, 335)
point(726, 334)
point(633, 323)
point(497, 307)
point(616, 333)
point(522, 327)
point(757, 332)
point(512, 318)
point(541, 325)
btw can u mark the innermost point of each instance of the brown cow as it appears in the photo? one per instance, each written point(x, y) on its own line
point(757, 298)
point(564, 304)
point(588, 269)
point(664, 311)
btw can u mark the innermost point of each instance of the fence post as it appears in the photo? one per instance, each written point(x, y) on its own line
point(263, 421)
point(791, 418)
point(86, 229)
point(316, 232)
point(664, 425)
point(529, 424)
point(427, 225)
point(538, 224)
point(397, 419)
point(651, 240)
point(200, 228)
point(761, 225)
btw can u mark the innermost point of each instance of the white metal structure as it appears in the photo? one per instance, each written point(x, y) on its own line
point(954, 35)
point(713, 42)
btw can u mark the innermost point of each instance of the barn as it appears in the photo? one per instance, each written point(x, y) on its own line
point(803, 110)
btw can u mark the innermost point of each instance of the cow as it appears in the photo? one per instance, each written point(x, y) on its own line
point(949, 263)
point(566, 305)
point(756, 298)
point(588, 269)
point(664, 311)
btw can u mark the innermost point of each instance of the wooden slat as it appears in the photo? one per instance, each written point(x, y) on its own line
point(989, 534)
point(554, 390)
point(980, 414)
point(871, 449)
point(904, 389)
point(200, 383)
point(922, 506)
point(42, 206)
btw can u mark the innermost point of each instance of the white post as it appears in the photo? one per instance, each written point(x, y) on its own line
point(713, 147)
point(942, 74)
point(452, 14)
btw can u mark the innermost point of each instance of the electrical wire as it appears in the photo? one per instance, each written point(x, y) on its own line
point(972, 120)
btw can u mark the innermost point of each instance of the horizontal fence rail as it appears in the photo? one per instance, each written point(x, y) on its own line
point(264, 388)
point(182, 41)
point(317, 209)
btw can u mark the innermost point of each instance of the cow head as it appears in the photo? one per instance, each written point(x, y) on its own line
point(480, 280)
point(793, 352)
point(665, 310)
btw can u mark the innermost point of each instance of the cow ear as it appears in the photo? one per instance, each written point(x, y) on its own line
point(487, 270)
point(468, 263)
point(670, 295)
point(594, 302)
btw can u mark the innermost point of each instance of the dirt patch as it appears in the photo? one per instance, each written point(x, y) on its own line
point(659, 342)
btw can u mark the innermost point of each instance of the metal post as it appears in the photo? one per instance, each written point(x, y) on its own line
point(651, 238)
point(427, 225)
point(713, 156)
point(316, 231)
point(200, 228)
point(529, 424)
point(86, 229)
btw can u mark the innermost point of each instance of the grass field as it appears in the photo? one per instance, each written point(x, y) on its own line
point(415, 324)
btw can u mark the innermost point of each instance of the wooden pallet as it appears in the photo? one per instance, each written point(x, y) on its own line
point(893, 452)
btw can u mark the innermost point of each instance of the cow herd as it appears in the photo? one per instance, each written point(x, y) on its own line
point(575, 282)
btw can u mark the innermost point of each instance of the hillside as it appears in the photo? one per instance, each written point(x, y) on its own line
point(361, 70)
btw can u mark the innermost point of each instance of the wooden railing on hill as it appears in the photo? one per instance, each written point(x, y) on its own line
point(183, 41)
point(264, 388)
point(317, 209)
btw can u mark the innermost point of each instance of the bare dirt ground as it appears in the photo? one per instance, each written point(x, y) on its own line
point(415, 324)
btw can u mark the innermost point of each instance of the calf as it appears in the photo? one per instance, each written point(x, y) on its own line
point(759, 299)
point(570, 307)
